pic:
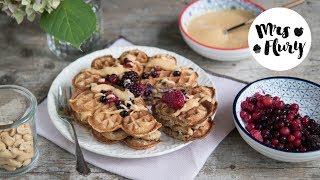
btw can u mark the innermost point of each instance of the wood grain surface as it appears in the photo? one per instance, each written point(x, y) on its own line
point(25, 60)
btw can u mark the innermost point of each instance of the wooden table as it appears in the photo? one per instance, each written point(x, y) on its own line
point(26, 60)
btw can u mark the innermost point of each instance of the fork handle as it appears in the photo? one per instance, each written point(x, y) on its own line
point(81, 166)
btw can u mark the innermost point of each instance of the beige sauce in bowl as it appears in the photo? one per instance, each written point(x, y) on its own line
point(209, 28)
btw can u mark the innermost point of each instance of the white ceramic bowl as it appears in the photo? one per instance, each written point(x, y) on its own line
point(201, 7)
point(290, 90)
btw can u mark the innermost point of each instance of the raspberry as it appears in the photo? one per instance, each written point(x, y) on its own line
point(174, 99)
point(135, 88)
point(129, 77)
point(256, 134)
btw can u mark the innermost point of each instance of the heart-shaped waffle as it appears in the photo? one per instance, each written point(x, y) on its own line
point(140, 123)
point(115, 135)
point(104, 61)
point(102, 138)
point(106, 119)
point(113, 101)
point(134, 60)
point(84, 78)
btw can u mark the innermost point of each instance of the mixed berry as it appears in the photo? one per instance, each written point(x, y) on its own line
point(174, 99)
point(127, 63)
point(128, 78)
point(108, 97)
point(136, 89)
point(279, 125)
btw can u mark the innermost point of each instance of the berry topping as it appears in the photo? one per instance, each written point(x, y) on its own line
point(103, 91)
point(147, 90)
point(145, 75)
point(101, 82)
point(113, 79)
point(176, 73)
point(154, 74)
point(157, 68)
point(126, 60)
point(183, 91)
point(135, 88)
point(128, 78)
point(103, 99)
point(120, 104)
point(127, 63)
point(112, 99)
point(174, 99)
point(124, 113)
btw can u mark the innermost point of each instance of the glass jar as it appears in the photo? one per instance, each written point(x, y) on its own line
point(65, 51)
point(18, 137)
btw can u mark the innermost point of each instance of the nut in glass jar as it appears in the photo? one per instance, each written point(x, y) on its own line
point(18, 148)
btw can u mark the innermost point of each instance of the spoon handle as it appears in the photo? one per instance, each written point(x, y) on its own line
point(288, 5)
point(293, 4)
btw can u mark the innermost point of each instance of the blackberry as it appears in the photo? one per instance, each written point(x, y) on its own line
point(129, 77)
point(135, 88)
point(183, 91)
point(103, 91)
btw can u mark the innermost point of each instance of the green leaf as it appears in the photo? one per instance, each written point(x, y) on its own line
point(73, 21)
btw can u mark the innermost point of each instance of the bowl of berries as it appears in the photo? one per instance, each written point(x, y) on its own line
point(280, 118)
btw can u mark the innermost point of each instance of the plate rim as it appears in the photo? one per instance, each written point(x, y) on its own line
point(97, 54)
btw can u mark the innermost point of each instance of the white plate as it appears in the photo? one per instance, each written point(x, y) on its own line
point(86, 140)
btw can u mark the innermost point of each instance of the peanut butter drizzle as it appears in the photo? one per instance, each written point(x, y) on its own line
point(122, 95)
point(191, 103)
point(165, 64)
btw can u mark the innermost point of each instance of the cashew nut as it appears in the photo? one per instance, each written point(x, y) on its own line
point(2, 146)
point(26, 162)
point(12, 132)
point(16, 147)
point(8, 168)
point(26, 146)
point(7, 154)
point(18, 143)
point(8, 140)
point(17, 136)
point(25, 156)
point(27, 137)
point(11, 162)
point(24, 129)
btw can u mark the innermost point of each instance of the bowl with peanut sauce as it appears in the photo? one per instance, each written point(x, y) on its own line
point(203, 24)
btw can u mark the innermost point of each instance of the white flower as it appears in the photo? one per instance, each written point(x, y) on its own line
point(18, 9)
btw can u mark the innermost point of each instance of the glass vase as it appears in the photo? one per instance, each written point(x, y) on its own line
point(65, 51)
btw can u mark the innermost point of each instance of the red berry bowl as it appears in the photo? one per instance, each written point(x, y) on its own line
point(280, 118)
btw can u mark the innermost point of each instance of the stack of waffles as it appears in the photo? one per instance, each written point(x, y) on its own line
point(112, 97)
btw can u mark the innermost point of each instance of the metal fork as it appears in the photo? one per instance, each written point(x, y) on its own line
point(63, 110)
